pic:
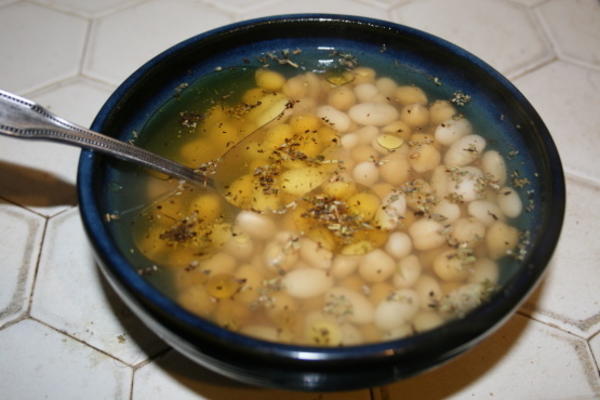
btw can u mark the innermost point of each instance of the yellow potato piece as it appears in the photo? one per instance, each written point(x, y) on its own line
point(301, 181)
point(305, 123)
point(364, 205)
point(207, 206)
point(269, 80)
point(240, 191)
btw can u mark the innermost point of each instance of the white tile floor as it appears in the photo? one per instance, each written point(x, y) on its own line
point(63, 333)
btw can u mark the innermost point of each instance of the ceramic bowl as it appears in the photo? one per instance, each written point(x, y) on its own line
point(445, 70)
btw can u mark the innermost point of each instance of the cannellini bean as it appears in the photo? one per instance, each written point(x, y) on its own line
point(334, 117)
point(220, 263)
point(426, 320)
point(343, 265)
point(361, 309)
point(452, 129)
point(365, 173)
point(367, 134)
point(399, 309)
point(364, 152)
point(415, 115)
point(440, 111)
point(399, 128)
point(363, 75)
point(376, 114)
point(240, 246)
point(408, 271)
point(393, 207)
point(279, 257)
point(399, 332)
point(382, 189)
point(485, 211)
point(406, 95)
point(379, 291)
point(398, 245)
point(500, 238)
point(376, 266)
point(429, 291)
point(197, 300)
point(306, 282)
point(439, 181)
point(447, 210)
point(314, 254)
point(255, 225)
point(424, 158)
point(351, 335)
point(426, 234)
point(387, 86)
point(509, 202)
point(264, 332)
point(464, 151)
point(349, 140)
point(342, 98)
point(493, 164)
point(449, 266)
point(468, 230)
point(466, 184)
point(484, 270)
point(365, 92)
point(394, 170)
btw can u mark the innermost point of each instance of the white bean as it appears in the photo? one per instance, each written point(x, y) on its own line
point(365, 173)
point(439, 181)
point(484, 270)
point(367, 134)
point(278, 257)
point(426, 234)
point(450, 267)
point(410, 95)
point(400, 308)
point(500, 238)
point(376, 266)
point(255, 225)
point(349, 140)
point(408, 271)
point(426, 320)
point(341, 97)
point(510, 202)
point(466, 184)
point(344, 265)
point(334, 117)
point(485, 211)
point(306, 282)
point(464, 151)
point(314, 254)
point(493, 164)
point(351, 335)
point(387, 86)
point(360, 308)
point(415, 115)
point(392, 208)
point(398, 245)
point(429, 291)
point(239, 246)
point(448, 210)
point(440, 111)
point(365, 92)
point(468, 230)
point(451, 130)
point(376, 114)
point(398, 332)
point(394, 170)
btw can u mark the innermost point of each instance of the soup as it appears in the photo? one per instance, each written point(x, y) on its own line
point(361, 210)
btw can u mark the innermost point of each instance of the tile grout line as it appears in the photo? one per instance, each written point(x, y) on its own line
point(36, 269)
point(86, 46)
point(115, 358)
point(549, 324)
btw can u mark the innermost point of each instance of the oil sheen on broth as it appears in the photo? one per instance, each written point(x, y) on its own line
point(366, 211)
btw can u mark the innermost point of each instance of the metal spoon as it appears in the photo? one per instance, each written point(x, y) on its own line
point(23, 118)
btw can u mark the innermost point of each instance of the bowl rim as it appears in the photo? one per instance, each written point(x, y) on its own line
point(499, 307)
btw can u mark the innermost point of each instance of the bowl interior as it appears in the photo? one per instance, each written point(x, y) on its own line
point(318, 42)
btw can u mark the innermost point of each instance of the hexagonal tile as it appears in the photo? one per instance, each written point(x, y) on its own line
point(523, 360)
point(38, 175)
point(569, 295)
point(175, 377)
point(529, 3)
point(40, 363)
point(71, 296)
point(88, 8)
point(481, 27)
point(567, 98)
point(117, 46)
point(595, 346)
point(21, 234)
point(39, 46)
point(77, 100)
point(574, 28)
point(349, 7)
point(239, 6)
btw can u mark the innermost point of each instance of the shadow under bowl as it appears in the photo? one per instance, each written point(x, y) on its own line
point(496, 107)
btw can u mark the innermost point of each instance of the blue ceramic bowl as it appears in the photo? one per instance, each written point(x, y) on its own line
point(496, 107)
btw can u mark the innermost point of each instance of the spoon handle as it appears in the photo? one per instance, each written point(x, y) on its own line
point(22, 118)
